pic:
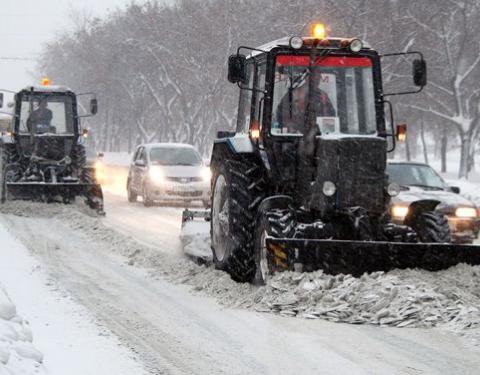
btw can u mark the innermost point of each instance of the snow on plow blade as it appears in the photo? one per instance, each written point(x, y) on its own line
point(358, 257)
point(47, 192)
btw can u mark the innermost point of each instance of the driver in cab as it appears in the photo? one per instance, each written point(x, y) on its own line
point(40, 119)
point(292, 109)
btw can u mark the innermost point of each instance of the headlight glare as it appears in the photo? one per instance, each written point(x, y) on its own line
point(399, 211)
point(329, 188)
point(156, 175)
point(466, 212)
point(206, 174)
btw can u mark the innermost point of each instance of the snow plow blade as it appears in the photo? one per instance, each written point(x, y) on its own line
point(358, 257)
point(53, 192)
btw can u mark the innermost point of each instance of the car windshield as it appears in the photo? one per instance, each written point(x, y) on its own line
point(415, 175)
point(46, 114)
point(175, 156)
point(343, 97)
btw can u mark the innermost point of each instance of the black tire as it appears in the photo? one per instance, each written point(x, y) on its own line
point(432, 227)
point(236, 193)
point(9, 168)
point(131, 195)
point(147, 202)
point(275, 223)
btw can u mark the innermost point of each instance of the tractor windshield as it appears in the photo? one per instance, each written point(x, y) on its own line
point(344, 95)
point(46, 114)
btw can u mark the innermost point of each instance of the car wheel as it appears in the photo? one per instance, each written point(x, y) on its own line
point(147, 201)
point(132, 196)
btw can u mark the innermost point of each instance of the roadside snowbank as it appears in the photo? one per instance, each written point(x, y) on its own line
point(448, 299)
point(17, 354)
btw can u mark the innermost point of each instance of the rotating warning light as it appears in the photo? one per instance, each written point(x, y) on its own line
point(318, 31)
point(45, 81)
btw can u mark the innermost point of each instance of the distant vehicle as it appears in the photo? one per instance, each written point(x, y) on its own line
point(420, 182)
point(168, 172)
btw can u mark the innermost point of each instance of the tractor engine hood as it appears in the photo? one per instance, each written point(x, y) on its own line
point(356, 165)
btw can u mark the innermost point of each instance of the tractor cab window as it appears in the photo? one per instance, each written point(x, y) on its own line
point(46, 114)
point(343, 97)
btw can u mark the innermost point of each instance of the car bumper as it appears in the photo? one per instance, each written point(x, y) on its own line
point(180, 192)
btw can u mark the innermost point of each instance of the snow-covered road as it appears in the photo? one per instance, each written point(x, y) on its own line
point(176, 332)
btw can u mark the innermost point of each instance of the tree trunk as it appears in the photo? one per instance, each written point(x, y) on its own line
point(464, 156)
point(424, 143)
point(443, 150)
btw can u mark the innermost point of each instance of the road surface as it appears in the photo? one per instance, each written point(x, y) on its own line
point(176, 332)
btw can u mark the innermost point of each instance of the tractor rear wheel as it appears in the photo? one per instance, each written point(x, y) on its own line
point(237, 190)
point(432, 227)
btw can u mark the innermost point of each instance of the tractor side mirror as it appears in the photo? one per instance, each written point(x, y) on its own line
point(93, 106)
point(401, 133)
point(237, 72)
point(1, 99)
point(419, 68)
point(455, 189)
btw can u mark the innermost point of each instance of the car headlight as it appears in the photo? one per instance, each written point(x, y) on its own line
point(206, 174)
point(155, 174)
point(399, 212)
point(99, 171)
point(329, 188)
point(466, 212)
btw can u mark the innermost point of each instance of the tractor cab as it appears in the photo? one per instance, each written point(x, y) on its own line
point(313, 105)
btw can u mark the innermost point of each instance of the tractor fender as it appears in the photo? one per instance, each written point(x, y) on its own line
point(417, 207)
point(238, 144)
point(274, 202)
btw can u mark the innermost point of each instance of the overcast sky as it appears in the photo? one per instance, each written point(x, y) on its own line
point(26, 24)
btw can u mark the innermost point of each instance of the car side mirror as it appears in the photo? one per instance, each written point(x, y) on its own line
point(140, 163)
point(1, 99)
point(93, 106)
point(237, 71)
point(401, 133)
point(419, 68)
point(455, 189)
point(100, 154)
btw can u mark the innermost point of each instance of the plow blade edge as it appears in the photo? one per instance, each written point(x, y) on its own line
point(358, 257)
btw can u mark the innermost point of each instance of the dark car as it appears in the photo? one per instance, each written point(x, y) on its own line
point(420, 182)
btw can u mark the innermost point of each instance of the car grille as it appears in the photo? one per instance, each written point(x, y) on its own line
point(184, 180)
point(184, 193)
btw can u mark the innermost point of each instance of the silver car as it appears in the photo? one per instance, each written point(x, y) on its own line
point(168, 172)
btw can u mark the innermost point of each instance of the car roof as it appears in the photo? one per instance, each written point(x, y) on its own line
point(149, 146)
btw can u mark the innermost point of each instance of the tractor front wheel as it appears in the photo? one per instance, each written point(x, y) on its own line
point(432, 227)
point(236, 193)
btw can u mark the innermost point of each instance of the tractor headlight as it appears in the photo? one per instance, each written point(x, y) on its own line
point(355, 45)
point(393, 189)
point(399, 212)
point(466, 212)
point(329, 188)
point(296, 42)
point(206, 174)
point(155, 174)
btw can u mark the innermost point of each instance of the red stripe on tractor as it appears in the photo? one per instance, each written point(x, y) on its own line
point(330, 61)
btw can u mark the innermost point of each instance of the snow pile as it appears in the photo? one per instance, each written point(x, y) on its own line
point(449, 299)
point(17, 354)
point(195, 239)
